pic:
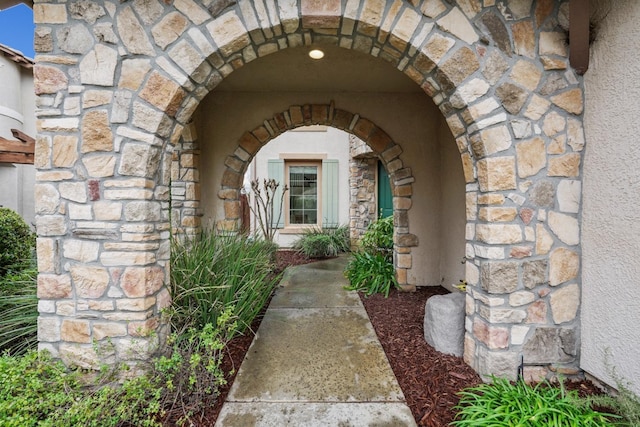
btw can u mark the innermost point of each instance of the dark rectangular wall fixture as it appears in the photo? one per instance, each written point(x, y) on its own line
point(579, 35)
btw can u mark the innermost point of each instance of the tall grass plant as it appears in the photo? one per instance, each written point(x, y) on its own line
point(212, 272)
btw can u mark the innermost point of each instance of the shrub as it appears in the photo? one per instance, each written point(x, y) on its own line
point(323, 242)
point(503, 403)
point(18, 312)
point(371, 274)
point(212, 272)
point(379, 238)
point(17, 242)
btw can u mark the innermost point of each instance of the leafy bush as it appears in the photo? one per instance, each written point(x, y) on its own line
point(624, 402)
point(323, 242)
point(379, 238)
point(213, 272)
point(17, 242)
point(371, 274)
point(18, 312)
point(503, 403)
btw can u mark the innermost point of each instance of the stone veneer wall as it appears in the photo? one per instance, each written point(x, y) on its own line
point(362, 188)
point(118, 82)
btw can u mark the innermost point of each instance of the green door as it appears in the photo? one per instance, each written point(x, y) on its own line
point(385, 200)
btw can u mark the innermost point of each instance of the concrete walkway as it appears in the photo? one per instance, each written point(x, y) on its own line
point(315, 361)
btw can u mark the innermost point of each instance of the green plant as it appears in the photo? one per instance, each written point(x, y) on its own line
point(18, 311)
point(371, 274)
point(504, 403)
point(17, 242)
point(623, 402)
point(379, 238)
point(212, 272)
point(319, 242)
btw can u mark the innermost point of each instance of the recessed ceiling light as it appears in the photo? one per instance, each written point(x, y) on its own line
point(316, 54)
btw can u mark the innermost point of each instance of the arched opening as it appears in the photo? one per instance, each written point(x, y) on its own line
point(510, 110)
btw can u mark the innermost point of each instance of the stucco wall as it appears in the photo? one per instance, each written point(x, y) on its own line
point(17, 111)
point(413, 122)
point(611, 220)
point(452, 208)
point(332, 143)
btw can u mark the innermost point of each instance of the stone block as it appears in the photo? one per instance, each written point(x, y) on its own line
point(564, 303)
point(551, 345)
point(497, 173)
point(444, 323)
point(89, 282)
point(499, 277)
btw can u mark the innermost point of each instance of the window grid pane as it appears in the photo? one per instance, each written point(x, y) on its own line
point(303, 194)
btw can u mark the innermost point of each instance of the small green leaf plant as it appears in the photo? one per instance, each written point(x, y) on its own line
point(17, 242)
point(319, 242)
point(371, 270)
point(505, 403)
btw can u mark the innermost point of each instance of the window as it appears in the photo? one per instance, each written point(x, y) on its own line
point(313, 192)
point(304, 194)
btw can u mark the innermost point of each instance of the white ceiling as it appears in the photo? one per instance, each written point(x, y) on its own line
point(341, 70)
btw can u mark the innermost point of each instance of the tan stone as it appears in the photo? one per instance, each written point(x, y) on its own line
point(557, 145)
point(570, 101)
point(524, 38)
point(107, 211)
point(49, 79)
point(501, 315)
point(575, 135)
point(544, 240)
point(49, 13)
point(47, 199)
point(144, 328)
point(493, 337)
point(566, 227)
point(495, 214)
point(133, 72)
point(521, 298)
point(537, 312)
point(96, 132)
point(322, 13)
point(75, 331)
point(163, 93)
point(194, 12)
point(456, 23)
point(80, 250)
point(108, 330)
point(490, 199)
point(469, 92)
point(553, 43)
point(75, 191)
point(43, 152)
point(467, 167)
point(65, 151)
point(433, 8)
point(437, 47)
point(169, 29)
point(89, 282)
point(499, 234)
point(135, 304)
point(101, 305)
point(496, 173)
point(538, 106)
point(100, 166)
point(569, 193)
point(553, 124)
point(471, 204)
point(491, 141)
point(98, 66)
point(51, 225)
point(532, 157)
point(109, 258)
point(564, 266)
point(132, 33)
point(460, 65)
point(564, 303)
point(141, 282)
point(47, 254)
point(567, 165)
point(404, 28)
point(96, 98)
point(526, 74)
point(229, 33)
point(54, 286)
point(48, 329)
point(553, 63)
point(58, 125)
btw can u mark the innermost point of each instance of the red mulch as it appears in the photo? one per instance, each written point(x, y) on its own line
point(428, 379)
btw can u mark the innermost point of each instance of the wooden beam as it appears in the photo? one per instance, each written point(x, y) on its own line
point(17, 151)
point(21, 158)
point(22, 136)
point(579, 35)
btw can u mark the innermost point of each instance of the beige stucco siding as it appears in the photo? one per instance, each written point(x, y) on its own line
point(611, 220)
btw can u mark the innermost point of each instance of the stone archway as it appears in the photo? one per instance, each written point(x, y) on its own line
point(116, 105)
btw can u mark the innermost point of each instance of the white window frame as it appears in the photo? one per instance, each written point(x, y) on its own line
point(297, 228)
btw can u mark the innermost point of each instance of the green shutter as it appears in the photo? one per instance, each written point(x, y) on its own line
point(330, 193)
point(275, 170)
